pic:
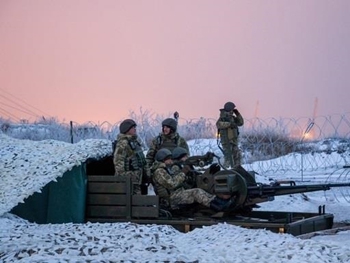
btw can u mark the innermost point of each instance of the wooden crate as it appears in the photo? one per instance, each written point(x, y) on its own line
point(110, 197)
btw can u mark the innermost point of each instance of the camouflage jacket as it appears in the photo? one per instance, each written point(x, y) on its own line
point(177, 168)
point(164, 181)
point(129, 159)
point(165, 141)
point(228, 124)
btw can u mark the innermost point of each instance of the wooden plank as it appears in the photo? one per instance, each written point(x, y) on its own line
point(145, 212)
point(129, 191)
point(99, 203)
point(106, 199)
point(106, 178)
point(106, 211)
point(312, 224)
point(142, 200)
point(184, 225)
point(111, 187)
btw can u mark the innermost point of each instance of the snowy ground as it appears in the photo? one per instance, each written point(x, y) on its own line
point(21, 241)
point(126, 242)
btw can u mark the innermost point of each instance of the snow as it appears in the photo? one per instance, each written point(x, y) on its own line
point(23, 160)
point(20, 241)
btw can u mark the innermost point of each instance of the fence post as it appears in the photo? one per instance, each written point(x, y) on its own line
point(71, 132)
point(309, 127)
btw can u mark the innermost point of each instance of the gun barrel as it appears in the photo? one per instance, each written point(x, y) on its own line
point(267, 190)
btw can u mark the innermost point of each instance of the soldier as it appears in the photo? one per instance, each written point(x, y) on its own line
point(179, 157)
point(168, 139)
point(228, 123)
point(129, 159)
point(169, 186)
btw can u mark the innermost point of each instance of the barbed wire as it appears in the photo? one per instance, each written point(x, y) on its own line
point(269, 146)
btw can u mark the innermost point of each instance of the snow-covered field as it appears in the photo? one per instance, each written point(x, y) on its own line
point(21, 241)
point(126, 242)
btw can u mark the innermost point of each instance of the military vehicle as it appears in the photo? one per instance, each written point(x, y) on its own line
point(109, 199)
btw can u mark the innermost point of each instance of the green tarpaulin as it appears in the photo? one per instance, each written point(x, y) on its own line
point(59, 202)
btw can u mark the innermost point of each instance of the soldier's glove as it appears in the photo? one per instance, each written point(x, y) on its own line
point(233, 124)
point(134, 163)
point(186, 169)
point(190, 180)
point(235, 111)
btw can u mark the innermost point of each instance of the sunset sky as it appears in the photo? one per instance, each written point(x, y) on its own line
point(85, 60)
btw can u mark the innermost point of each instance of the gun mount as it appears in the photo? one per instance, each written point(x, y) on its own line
point(241, 186)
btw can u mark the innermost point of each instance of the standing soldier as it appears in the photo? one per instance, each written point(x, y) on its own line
point(228, 123)
point(129, 159)
point(168, 139)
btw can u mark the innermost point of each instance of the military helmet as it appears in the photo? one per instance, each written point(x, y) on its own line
point(171, 123)
point(179, 152)
point(229, 106)
point(126, 125)
point(163, 154)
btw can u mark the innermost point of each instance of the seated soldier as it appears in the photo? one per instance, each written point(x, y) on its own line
point(169, 186)
point(180, 155)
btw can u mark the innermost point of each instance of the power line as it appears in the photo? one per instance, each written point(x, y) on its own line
point(18, 104)
point(10, 115)
point(21, 110)
point(15, 109)
point(19, 107)
point(42, 112)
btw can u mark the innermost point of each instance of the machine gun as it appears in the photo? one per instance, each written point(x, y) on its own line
point(245, 193)
point(240, 185)
point(201, 160)
point(190, 165)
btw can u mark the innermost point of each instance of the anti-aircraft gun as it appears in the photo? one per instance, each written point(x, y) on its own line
point(241, 186)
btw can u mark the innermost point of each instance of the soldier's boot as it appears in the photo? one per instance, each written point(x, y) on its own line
point(218, 204)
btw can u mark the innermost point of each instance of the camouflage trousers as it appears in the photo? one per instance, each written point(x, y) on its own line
point(190, 196)
point(232, 155)
point(135, 180)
